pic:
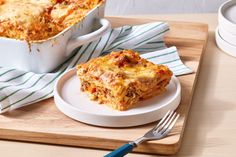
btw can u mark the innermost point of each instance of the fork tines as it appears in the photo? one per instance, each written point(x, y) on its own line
point(166, 123)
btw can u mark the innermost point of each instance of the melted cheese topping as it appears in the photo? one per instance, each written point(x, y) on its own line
point(22, 13)
point(122, 78)
point(40, 19)
point(67, 14)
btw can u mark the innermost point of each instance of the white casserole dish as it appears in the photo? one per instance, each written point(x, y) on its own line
point(45, 55)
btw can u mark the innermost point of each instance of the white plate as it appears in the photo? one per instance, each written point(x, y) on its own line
point(224, 45)
point(76, 104)
point(227, 36)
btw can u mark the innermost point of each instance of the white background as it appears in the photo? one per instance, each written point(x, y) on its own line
point(138, 7)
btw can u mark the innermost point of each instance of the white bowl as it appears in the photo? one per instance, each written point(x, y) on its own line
point(227, 16)
point(224, 45)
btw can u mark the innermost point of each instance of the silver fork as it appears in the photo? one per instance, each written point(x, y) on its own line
point(158, 132)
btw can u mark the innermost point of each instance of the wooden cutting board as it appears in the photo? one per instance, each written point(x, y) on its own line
point(43, 122)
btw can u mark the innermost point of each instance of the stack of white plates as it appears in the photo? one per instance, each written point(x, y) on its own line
point(226, 31)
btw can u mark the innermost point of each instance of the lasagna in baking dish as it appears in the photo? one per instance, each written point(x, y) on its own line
point(40, 19)
point(121, 79)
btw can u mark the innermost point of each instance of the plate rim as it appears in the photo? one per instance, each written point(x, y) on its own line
point(72, 72)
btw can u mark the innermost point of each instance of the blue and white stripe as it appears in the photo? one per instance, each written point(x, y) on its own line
point(19, 88)
point(170, 58)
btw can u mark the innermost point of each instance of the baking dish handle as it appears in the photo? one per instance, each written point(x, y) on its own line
point(76, 42)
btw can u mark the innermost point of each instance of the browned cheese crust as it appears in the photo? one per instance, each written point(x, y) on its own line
point(34, 20)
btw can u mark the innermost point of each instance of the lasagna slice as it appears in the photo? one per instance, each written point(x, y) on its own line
point(121, 79)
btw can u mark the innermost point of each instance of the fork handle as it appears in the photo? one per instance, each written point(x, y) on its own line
point(121, 151)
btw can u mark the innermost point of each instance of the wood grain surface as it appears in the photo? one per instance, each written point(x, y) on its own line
point(43, 122)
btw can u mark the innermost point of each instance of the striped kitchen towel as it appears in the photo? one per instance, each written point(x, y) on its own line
point(20, 88)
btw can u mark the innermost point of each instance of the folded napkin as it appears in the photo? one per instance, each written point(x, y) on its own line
point(20, 88)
